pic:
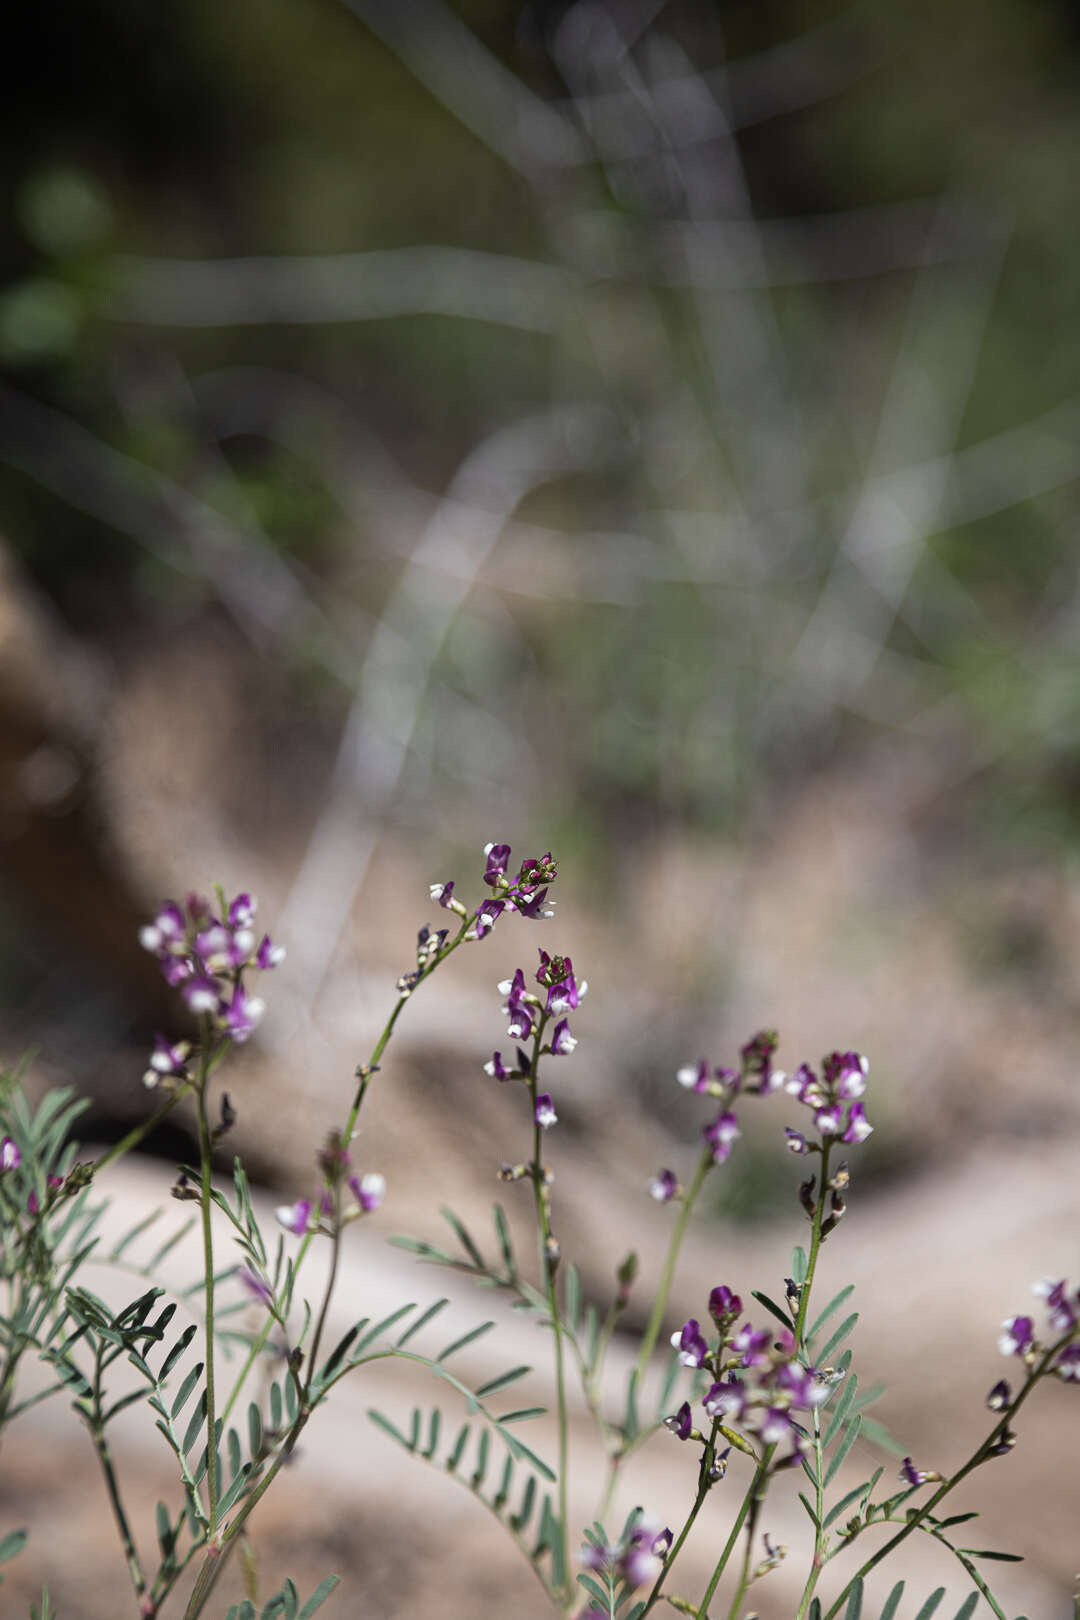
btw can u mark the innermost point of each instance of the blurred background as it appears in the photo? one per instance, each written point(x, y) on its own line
point(647, 431)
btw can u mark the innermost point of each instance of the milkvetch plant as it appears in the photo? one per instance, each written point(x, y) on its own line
point(762, 1400)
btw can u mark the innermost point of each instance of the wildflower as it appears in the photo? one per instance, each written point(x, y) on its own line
point(752, 1345)
point(1067, 1364)
point(486, 918)
point(999, 1397)
point(497, 857)
point(296, 1217)
point(728, 1398)
point(720, 1134)
point(1061, 1309)
point(1017, 1337)
point(562, 1042)
point(681, 1424)
point(496, 1068)
point(556, 975)
point(695, 1077)
point(241, 1014)
point(545, 1112)
point(724, 1306)
point(796, 1141)
point(10, 1157)
point(638, 1561)
point(664, 1187)
point(858, 1126)
point(691, 1344)
point(369, 1190)
point(917, 1476)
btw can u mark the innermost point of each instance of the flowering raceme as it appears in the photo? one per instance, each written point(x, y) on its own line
point(205, 956)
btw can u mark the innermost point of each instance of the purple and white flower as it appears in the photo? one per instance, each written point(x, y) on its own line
point(369, 1190)
point(691, 1344)
point(1017, 1336)
point(664, 1187)
point(296, 1217)
point(10, 1157)
point(545, 1115)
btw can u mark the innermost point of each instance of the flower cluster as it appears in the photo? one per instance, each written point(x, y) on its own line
point(832, 1096)
point(526, 893)
point(528, 1011)
point(637, 1559)
point(758, 1378)
point(204, 954)
point(1018, 1336)
point(328, 1214)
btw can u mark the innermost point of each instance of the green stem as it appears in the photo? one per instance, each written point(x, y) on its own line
point(981, 1454)
point(740, 1520)
point(138, 1132)
point(205, 1152)
point(667, 1275)
point(131, 1556)
point(548, 1267)
point(705, 1481)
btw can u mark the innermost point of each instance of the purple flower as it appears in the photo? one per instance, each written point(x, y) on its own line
point(497, 857)
point(728, 1398)
point(916, 1476)
point(241, 911)
point(242, 1014)
point(638, 1562)
point(694, 1077)
point(845, 1074)
point(166, 929)
point(443, 893)
point(796, 1141)
point(369, 1190)
point(562, 1042)
point(533, 905)
point(724, 1306)
point(827, 1119)
point(720, 1134)
point(545, 1112)
point(774, 1426)
point(496, 1069)
point(256, 1286)
point(486, 918)
point(1017, 1337)
point(295, 1217)
point(664, 1187)
point(999, 1397)
point(1067, 1364)
point(691, 1345)
point(10, 1157)
point(269, 955)
point(1060, 1307)
point(752, 1345)
point(680, 1424)
point(166, 1060)
point(858, 1126)
point(201, 992)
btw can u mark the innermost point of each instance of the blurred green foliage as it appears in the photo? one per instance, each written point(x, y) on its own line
point(659, 612)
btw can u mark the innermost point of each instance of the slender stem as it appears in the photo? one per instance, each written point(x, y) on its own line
point(740, 1520)
point(131, 1556)
point(138, 1132)
point(981, 1454)
point(205, 1153)
point(705, 1481)
point(548, 1266)
point(335, 1256)
point(667, 1275)
point(217, 1556)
